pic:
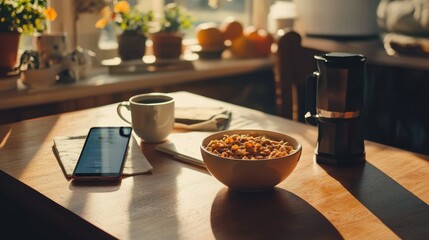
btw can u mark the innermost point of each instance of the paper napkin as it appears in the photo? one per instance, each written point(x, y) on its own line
point(67, 150)
point(185, 146)
point(202, 119)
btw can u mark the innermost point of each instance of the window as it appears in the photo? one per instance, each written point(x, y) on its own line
point(204, 10)
point(248, 12)
point(216, 11)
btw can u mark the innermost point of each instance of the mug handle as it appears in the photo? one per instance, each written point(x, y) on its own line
point(310, 99)
point(118, 109)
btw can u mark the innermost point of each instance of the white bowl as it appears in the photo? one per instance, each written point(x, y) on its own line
point(39, 78)
point(251, 175)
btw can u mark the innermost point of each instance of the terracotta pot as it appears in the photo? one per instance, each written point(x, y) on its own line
point(131, 45)
point(167, 45)
point(9, 50)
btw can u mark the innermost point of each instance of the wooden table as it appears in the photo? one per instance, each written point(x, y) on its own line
point(386, 198)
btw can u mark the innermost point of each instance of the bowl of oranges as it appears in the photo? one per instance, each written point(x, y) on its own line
point(211, 41)
point(242, 42)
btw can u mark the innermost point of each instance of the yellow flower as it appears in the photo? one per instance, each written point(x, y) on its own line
point(50, 13)
point(101, 23)
point(106, 12)
point(107, 15)
point(122, 7)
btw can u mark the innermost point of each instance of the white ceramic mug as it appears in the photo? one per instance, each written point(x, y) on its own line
point(152, 115)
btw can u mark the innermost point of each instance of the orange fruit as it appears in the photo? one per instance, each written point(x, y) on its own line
point(209, 36)
point(249, 30)
point(261, 41)
point(231, 28)
point(242, 47)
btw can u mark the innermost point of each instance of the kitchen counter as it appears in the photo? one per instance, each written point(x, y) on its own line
point(246, 82)
point(101, 82)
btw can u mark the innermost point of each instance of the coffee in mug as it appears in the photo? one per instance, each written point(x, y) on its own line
point(152, 115)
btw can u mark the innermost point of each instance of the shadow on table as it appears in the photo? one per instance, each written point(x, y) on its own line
point(399, 209)
point(273, 214)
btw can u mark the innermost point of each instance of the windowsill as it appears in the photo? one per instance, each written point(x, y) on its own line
point(101, 82)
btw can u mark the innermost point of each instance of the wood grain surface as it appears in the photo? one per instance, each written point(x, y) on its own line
point(386, 198)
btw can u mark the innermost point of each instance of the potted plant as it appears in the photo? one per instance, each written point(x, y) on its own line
point(167, 41)
point(133, 25)
point(20, 17)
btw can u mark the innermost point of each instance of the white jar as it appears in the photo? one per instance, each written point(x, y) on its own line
point(342, 18)
point(282, 15)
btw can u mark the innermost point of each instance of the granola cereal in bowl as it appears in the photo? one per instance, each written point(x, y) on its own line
point(250, 160)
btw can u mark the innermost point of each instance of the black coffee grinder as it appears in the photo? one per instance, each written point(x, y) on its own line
point(334, 101)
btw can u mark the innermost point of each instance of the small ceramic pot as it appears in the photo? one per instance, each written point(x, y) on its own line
point(167, 45)
point(9, 50)
point(131, 46)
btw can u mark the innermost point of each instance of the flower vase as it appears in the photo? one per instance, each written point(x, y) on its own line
point(167, 45)
point(131, 45)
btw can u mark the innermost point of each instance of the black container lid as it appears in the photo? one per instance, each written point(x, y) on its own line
point(340, 59)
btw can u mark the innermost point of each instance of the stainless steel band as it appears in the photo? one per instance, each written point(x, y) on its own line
point(330, 114)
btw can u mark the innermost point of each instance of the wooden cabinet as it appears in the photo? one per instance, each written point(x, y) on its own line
point(396, 110)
